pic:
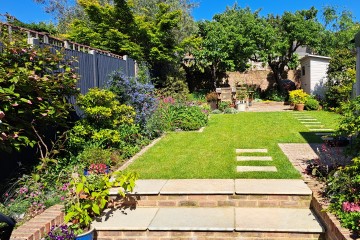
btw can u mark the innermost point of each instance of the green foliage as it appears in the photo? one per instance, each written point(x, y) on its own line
point(34, 86)
point(88, 196)
point(223, 105)
point(298, 96)
point(95, 154)
point(106, 121)
point(230, 110)
point(274, 94)
point(343, 191)
point(311, 103)
point(216, 111)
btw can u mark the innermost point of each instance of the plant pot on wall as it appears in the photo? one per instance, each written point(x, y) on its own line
point(299, 107)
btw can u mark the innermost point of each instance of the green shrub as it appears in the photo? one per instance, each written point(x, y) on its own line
point(311, 104)
point(95, 154)
point(223, 105)
point(189, 118)
point(230, 111)
point(343, 189)
point(216, 111)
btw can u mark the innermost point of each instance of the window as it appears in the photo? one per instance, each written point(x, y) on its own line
point(303, 71)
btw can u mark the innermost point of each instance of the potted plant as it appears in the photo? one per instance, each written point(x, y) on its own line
point(62, 232)
point(88, 196)
point(212, 99)
point(298, 98)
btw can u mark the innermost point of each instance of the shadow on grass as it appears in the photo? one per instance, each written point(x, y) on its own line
point(310, 137)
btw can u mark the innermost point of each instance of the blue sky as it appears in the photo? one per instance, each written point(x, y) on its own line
point(28, 11)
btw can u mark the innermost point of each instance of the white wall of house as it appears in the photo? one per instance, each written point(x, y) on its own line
point(314, 74)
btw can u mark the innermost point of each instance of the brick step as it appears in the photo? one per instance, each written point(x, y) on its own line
point(217, 193)
point(208, 223)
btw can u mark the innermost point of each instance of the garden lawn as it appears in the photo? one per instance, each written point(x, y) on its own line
point(211, 154)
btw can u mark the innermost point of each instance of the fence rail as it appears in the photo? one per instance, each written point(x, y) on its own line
point(93, 66)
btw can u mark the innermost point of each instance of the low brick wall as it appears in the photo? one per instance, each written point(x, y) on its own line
point(334, 231)
point(162, 235)
point(283, 201)
point(38, 227)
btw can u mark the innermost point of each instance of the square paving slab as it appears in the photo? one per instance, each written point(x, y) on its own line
point(193, 219)
point(307, 119)
point(276, 220)
point(321, 130)
point(271, 186)
point(198, 186)
point(253, 158)
point(249, 150)
point(315, 123)
point(137, 219)
point(256, 169)
point(145, 187)
point(323, 133)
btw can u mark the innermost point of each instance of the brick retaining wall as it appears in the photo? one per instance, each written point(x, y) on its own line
point(38, 227)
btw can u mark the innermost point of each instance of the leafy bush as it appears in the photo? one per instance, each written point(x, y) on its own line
point(312, 104)
point(34, 86)
point(223, 105)
point(275, 95)
point(230, 111)
point(298, 96)
point(343, 192)
point(95, 154)
point(106, 122)
point(216, 111)
point(171, 115)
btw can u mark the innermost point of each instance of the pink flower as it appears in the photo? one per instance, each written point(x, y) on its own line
point(15, 104)
point(2, 115)
point(29, 102)
point(62, 198)
point(39, 98)
point(350, 207)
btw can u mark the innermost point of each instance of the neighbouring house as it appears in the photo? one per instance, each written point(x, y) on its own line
point(314, 74)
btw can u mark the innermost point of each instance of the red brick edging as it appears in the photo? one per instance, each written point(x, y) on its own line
point(38, 227)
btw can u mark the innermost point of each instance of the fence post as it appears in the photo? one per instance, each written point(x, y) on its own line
point(125, 57)
point(357, 46)
point(33, 41)
point(96, 82)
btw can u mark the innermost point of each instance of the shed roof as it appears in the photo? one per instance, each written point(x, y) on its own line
point(357, 40)
point(314, 56)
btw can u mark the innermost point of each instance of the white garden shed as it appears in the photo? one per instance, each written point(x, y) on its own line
point(314, 74)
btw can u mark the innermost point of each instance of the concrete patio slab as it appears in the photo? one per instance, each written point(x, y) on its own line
point(251, 150)
point(145, 187)
point(253, 158)
point(272, 186)
point(256, 169)
point(193, 219)
point(137, 219)
point(198, 186)
point(276, 220)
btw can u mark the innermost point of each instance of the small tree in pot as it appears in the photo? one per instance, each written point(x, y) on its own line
point(298, 98)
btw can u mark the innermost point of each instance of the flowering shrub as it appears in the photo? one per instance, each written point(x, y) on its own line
point(98, 168)
point(343, 189)
point(298, 96)
point(60, 233)
point(135, 92)
point(34, 86)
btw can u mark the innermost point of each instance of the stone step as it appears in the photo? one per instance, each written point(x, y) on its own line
point(256, 169)
point(315, 123)
point(194, 223)
point(249, 150)
point(307, 119)
point(217, 193)
point(253, 158)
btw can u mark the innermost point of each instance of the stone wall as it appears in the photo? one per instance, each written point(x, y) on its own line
point(262, 78)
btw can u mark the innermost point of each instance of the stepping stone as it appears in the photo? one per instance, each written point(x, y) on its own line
point(272, 186)
point(193, 219)
point(311, 122)
point(276, 220)
point(314, 126)
point(145, 187)
point(198, 186)
point(307, 119)
point(249, 150)
point(125, 219)
point(323, 133)
point(256, 169)
point(253, 158)
point(321, 130)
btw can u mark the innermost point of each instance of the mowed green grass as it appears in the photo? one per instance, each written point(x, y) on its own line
point(211, 154)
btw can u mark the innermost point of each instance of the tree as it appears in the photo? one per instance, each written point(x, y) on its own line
point(278, 37)
point(213, 51)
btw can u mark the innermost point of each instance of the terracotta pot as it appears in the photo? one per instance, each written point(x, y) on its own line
point(299, 107)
